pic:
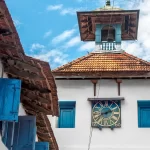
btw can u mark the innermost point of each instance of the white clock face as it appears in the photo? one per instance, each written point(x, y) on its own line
point(106, 114)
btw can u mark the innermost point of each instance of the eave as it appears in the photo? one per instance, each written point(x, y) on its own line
point(98, 78)
point(103, 75)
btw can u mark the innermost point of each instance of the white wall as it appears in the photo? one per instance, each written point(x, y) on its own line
point(2, 74)
point(128, 137)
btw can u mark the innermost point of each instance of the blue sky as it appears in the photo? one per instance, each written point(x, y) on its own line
point(49, 29)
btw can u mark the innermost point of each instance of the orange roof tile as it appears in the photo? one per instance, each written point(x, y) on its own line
point(103, 62)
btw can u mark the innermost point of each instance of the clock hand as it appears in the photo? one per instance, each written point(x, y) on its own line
point(106, 112)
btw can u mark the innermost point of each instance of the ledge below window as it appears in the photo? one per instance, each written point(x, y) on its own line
point(106, 99)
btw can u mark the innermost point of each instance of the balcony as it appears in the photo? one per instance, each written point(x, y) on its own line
point(108, 46)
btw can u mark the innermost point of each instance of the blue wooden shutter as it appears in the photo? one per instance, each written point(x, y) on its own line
point(9, 99)
point(67, 114)
point(118, 33)
point(144, 113)
point(41, 146)
point(66, 118)
point(98, 34)
point(145, 117)
point(24, 133)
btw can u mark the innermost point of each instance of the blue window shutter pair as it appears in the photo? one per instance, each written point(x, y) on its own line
point(41, 146)
point(17, 134)
point(20, 135)
point(67, 114)
point(9, 99)
point(144, 114)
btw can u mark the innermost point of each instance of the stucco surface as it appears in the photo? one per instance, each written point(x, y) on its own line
point(128, 137)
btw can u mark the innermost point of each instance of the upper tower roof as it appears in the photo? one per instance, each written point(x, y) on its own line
point(108, 7)
point(108, 15)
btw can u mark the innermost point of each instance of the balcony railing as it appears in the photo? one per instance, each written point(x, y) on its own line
point(108, 46)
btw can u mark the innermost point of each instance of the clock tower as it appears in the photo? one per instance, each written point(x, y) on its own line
point(108, 27)
point(105, 89)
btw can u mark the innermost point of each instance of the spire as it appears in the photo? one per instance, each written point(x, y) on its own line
point(108, 3)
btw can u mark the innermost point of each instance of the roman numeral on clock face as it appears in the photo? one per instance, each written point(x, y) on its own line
point(116, 113)
point(105, 122)
point(106, 104)
point(101, 104)
point(96, 117)
point(100, 120)
point(115, 118)
point(96, 113)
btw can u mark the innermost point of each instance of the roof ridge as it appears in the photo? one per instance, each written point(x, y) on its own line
point(137, 58)
point(73, 62)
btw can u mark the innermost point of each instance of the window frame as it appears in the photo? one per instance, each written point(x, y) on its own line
point(67, 105)
point(142, 104)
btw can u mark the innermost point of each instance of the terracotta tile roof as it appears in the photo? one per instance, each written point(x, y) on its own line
point(94, 64)
point(6, 22)
point(33, 72)
point(51, 83)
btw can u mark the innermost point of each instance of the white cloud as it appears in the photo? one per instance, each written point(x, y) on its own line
point(55, 57)
point(63, 36)
point(141, 48)
point(73, 42)
point(47, 34)
point(54, 7)
point(17, 23)
point(36, 46)
point(70, 11)
point(133, 48)
point(89, 46)
point(62, 10)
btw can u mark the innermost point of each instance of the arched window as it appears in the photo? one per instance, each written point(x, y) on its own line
point(108, 33)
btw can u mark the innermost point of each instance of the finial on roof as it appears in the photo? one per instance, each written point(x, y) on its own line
point(108, 3)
